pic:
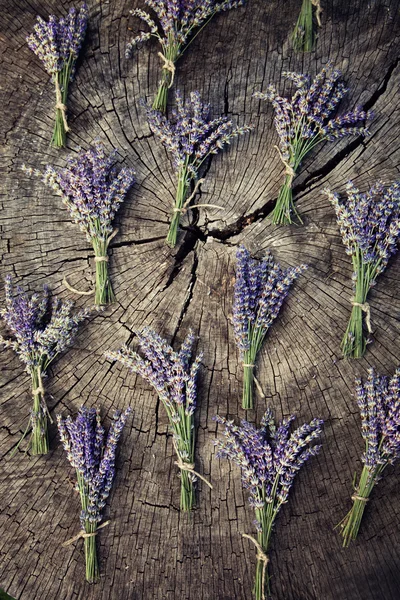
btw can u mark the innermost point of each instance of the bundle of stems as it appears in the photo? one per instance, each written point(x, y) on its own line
point(304, 35)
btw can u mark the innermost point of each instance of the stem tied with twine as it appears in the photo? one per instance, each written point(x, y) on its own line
point(263, 559)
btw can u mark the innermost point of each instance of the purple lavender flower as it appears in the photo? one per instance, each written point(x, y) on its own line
point(190, 136)
point(92, 190)
point(173, 376)
point(306, 120)
point(269, 458)
point(177, 20)
point(57, 44)
point(42, 329)
point(92, 453)
point(369, 224)
point(260, 289)
point(379, 402)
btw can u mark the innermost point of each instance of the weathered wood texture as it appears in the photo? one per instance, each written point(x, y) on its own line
point(150, 551)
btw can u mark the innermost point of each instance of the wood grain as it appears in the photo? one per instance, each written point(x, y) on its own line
point(150, 551)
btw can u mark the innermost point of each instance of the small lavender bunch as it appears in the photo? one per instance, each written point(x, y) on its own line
point(57, 44)
point(177, 20)
point(261, 286)
point(379, 402)
point(270, 458)
point(303, 36)
point(190, 136)
point(92, 453)
point(42, 329)
point(305, 121)
point(173, 376)
point(92, 190)
point(370, 226)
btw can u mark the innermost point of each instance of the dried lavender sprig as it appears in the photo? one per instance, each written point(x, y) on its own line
point(57, 44)
point(176, 21)
point(369, 225)
point(305, 121)
point(261, 286)
point(190, 136)
point(304, 35)
point(92, 190)
point(379, 402)
point(173, 375)
point(269, 458)
point(92, 454)
point(42, 330)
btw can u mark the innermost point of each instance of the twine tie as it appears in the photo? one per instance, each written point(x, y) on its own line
point(318, 12)
point(168, 66)
point(366, 309)
point(189, 467)
point(361, 498)
point(60, 105)
point(83, 534)
point(288, 168)
point(186, 206)
point(262, 557)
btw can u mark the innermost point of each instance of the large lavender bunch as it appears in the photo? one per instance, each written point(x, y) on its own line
point(92, 453)
point(57, 44)
point(261, 286)
point(42, 329)
point(379, 402)
point(369, 224)
point(306, 120)
point(92, 189)
point(304, 36)
point(270, 458)
point(173, 376)
point(177, 20)
point(190, 136)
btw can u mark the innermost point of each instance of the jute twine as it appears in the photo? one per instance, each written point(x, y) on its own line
point(186, 206)
point(168, 66)
point(38, 390)
point(84, 535)
point(96, 259)
point(288, 169)
point(318, 12)
point(189, 467)
point(60, 105)
point(262, 557)
point(366, 309)
point(360, 498)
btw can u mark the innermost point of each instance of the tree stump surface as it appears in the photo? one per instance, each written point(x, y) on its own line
point(150, 551)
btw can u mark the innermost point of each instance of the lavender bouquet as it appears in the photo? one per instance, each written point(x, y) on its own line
point(370, 227)
point(260, 289)
point(57, 44)
point(269, 458)
point(305, 121)
point(379, 403)
point(173, 376)
point(303, 36)
point(42, 329)
point(92, 190)
point(190, 136)
point(177, 20)
point(92, 453)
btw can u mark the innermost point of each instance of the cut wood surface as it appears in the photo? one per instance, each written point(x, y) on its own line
point(150, 551)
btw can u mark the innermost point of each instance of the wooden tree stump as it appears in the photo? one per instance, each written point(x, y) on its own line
point(150, 551)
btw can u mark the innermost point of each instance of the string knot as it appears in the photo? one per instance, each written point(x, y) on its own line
point(60, 105)
point(84, 535)
point(360, 498)
point(366, 309)
point(101, 259)
point(261, 556)
point(189, 467)
point(38, 390)
point(318, 12)
point(168, 66)
point(288, 168)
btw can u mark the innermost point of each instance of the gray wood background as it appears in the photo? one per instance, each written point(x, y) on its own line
point(150, 551)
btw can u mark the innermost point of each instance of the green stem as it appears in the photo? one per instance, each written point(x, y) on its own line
point(91, 562)
point(59, 137)
point(303, 37)
point(181, 193)
point(171, 53)
point(103, 288)
point(39, 438)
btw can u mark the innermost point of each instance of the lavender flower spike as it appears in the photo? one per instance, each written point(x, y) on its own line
point(379, 402)
point(260, 289)
point(57, 44)
point(305, 121)
point(177, 21)
point(92, 454)
point(42, 330)
point(92, 190)
point(190, 136)
point(270, 458)
point(369, 225)
point(173, 375)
